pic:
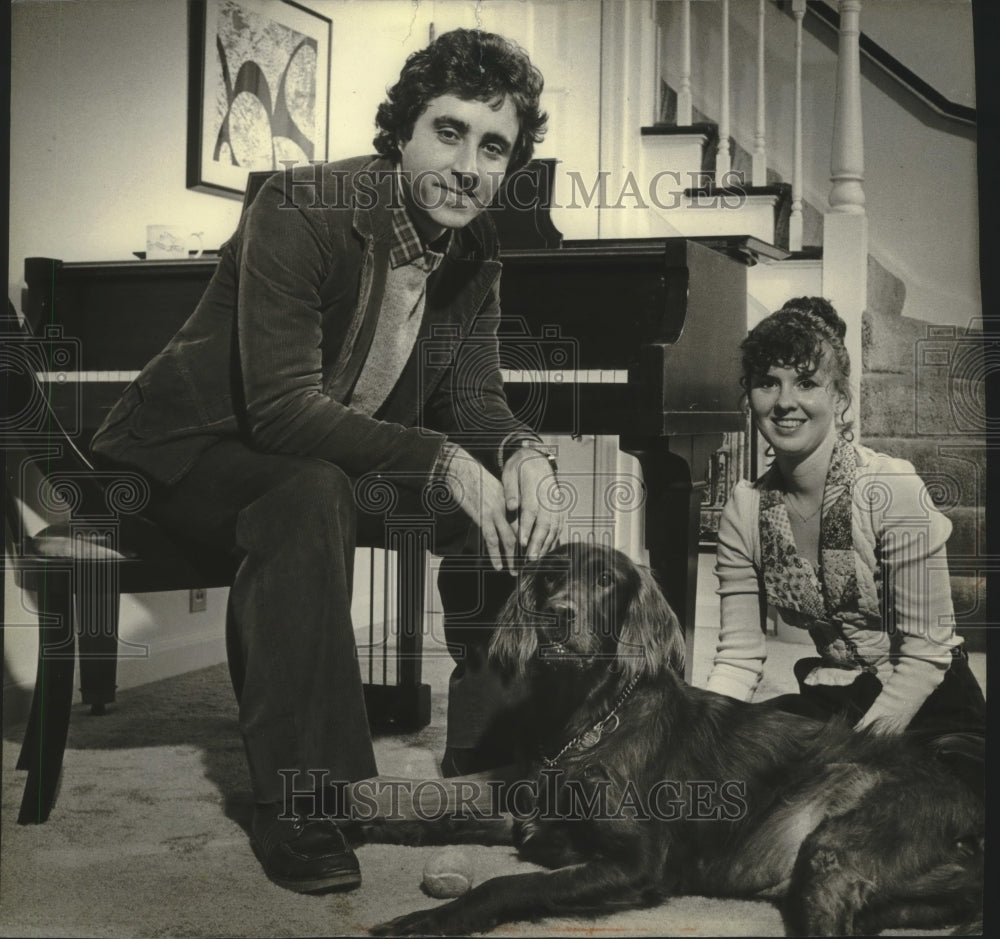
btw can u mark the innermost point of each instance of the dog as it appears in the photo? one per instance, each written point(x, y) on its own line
point(645, 787)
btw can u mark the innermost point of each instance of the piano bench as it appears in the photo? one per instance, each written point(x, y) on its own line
point(78, 577)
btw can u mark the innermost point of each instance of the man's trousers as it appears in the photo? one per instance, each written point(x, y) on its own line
point(292, 524)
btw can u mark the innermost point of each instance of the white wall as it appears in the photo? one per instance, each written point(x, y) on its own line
point(98, 131)
point(943, 26)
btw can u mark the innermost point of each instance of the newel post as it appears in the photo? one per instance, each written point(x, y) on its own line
point(847, 160)
point(795, 219)
point(845, 226)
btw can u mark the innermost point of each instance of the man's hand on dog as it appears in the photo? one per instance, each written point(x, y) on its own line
point(528, 488)
point(532, 490)
point(481, 496)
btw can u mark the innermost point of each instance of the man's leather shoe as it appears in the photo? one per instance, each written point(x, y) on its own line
point(307, 855)
point(464, 761)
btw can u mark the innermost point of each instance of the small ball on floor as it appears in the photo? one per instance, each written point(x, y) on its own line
point(448, 873)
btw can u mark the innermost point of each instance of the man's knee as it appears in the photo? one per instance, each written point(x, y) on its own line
point(313, 498)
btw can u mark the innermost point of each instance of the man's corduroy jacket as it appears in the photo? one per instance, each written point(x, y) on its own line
point(283, 330)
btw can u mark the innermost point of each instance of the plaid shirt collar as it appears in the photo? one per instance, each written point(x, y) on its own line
point(407, 245)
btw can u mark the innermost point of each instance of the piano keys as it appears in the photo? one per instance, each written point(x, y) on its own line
point(586, 376)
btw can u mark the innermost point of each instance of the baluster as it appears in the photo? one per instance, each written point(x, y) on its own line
point(795, 219)
point(847, 165)
point(684, 107)
point(722, 156)
point(759, 170)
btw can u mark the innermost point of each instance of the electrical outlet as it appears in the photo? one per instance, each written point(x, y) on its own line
point(197, 600)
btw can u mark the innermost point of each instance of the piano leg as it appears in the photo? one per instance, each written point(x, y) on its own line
point(673, 519)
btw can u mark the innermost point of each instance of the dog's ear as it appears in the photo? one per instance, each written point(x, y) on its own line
point(651, 638)
point(514, 641)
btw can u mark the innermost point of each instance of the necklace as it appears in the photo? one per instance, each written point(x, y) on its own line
point(590, 738)
point(804, 518)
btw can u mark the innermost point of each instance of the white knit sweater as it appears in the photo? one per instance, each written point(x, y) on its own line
point(904, 533)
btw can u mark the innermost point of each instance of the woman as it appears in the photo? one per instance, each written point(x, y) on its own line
point(841, 541)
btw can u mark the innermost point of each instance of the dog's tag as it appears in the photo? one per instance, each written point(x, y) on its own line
point(592, 737)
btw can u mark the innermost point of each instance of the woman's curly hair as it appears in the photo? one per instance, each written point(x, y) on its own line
point(472, 65)
point(803, 334)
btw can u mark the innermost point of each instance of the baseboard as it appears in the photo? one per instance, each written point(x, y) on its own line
point(173, 657)
point(165, 659)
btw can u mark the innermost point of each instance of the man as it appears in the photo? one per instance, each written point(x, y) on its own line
point(349, 334)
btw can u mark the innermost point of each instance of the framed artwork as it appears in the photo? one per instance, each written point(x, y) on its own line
point(259, 86)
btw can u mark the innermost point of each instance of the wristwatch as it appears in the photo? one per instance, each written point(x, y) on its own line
point(540, 448)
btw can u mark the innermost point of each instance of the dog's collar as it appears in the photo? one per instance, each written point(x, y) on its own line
point(606, 725)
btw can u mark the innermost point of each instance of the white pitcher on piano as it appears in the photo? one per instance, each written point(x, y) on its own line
point(170, 242)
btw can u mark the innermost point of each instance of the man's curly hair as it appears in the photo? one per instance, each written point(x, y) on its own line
point(803, 334)
point(472, 65)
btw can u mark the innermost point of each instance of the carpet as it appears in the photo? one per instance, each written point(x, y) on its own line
point(149, 838)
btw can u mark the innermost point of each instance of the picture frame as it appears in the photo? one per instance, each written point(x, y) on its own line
point(258, 90)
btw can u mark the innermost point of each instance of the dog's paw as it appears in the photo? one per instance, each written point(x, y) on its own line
point(457, 918)
point(418, 923)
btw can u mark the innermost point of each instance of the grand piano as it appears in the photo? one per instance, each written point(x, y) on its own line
point(635, 338)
